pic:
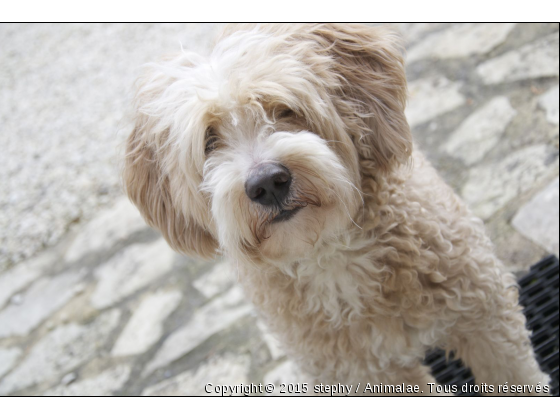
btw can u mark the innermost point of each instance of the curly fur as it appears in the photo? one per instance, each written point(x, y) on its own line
point(382, 262)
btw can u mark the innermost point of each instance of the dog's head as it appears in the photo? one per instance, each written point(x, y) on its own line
point(261, 149)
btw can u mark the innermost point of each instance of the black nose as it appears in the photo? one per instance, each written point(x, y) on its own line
point(268, 184)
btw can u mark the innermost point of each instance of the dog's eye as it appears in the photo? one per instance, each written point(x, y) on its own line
point(286, 113)
point(211, 141)
point(211, 144)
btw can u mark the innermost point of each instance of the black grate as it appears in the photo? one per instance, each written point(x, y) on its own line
point(539, 297)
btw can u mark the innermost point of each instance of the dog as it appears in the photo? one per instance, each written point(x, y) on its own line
point(288, 150)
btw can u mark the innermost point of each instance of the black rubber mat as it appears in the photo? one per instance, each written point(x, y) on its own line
point(539, 296)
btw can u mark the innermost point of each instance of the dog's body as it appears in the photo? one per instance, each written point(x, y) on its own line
point(288, 150)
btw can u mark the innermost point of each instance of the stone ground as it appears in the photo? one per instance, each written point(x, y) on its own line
point(92, 302)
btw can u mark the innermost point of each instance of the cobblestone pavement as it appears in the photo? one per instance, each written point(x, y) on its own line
point(92, 302)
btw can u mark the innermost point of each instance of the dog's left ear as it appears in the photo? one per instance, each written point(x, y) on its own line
point(370, 65)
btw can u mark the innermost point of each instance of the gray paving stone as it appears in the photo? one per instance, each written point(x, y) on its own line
point(220, 278)
point(130, 270)
point(481, 131)
point(215, 316)
point(61, 351)
point(538, 219)
point(41, 300)
point(16, 299)
point(412, 32)
point(490, 187)
point(146, 325)
point(110, 226)
point(22, 275)
point(14, 280)
point(549, 102)
point(225, 370)
point(537, 59)
point(68, 378)
point(63, 114)
point(274, 346)
point(461, 40)
point(285, 373)
point(7, 359)
point(432, 97)
point(105, 383)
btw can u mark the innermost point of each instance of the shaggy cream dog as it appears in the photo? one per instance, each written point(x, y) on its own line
point(288, 150)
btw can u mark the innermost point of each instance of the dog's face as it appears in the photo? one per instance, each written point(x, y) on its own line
point(261, 149)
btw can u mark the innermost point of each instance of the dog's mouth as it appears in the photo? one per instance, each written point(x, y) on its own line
point(286, 214)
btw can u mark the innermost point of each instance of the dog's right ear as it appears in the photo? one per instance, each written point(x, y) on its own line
point(148, 187)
